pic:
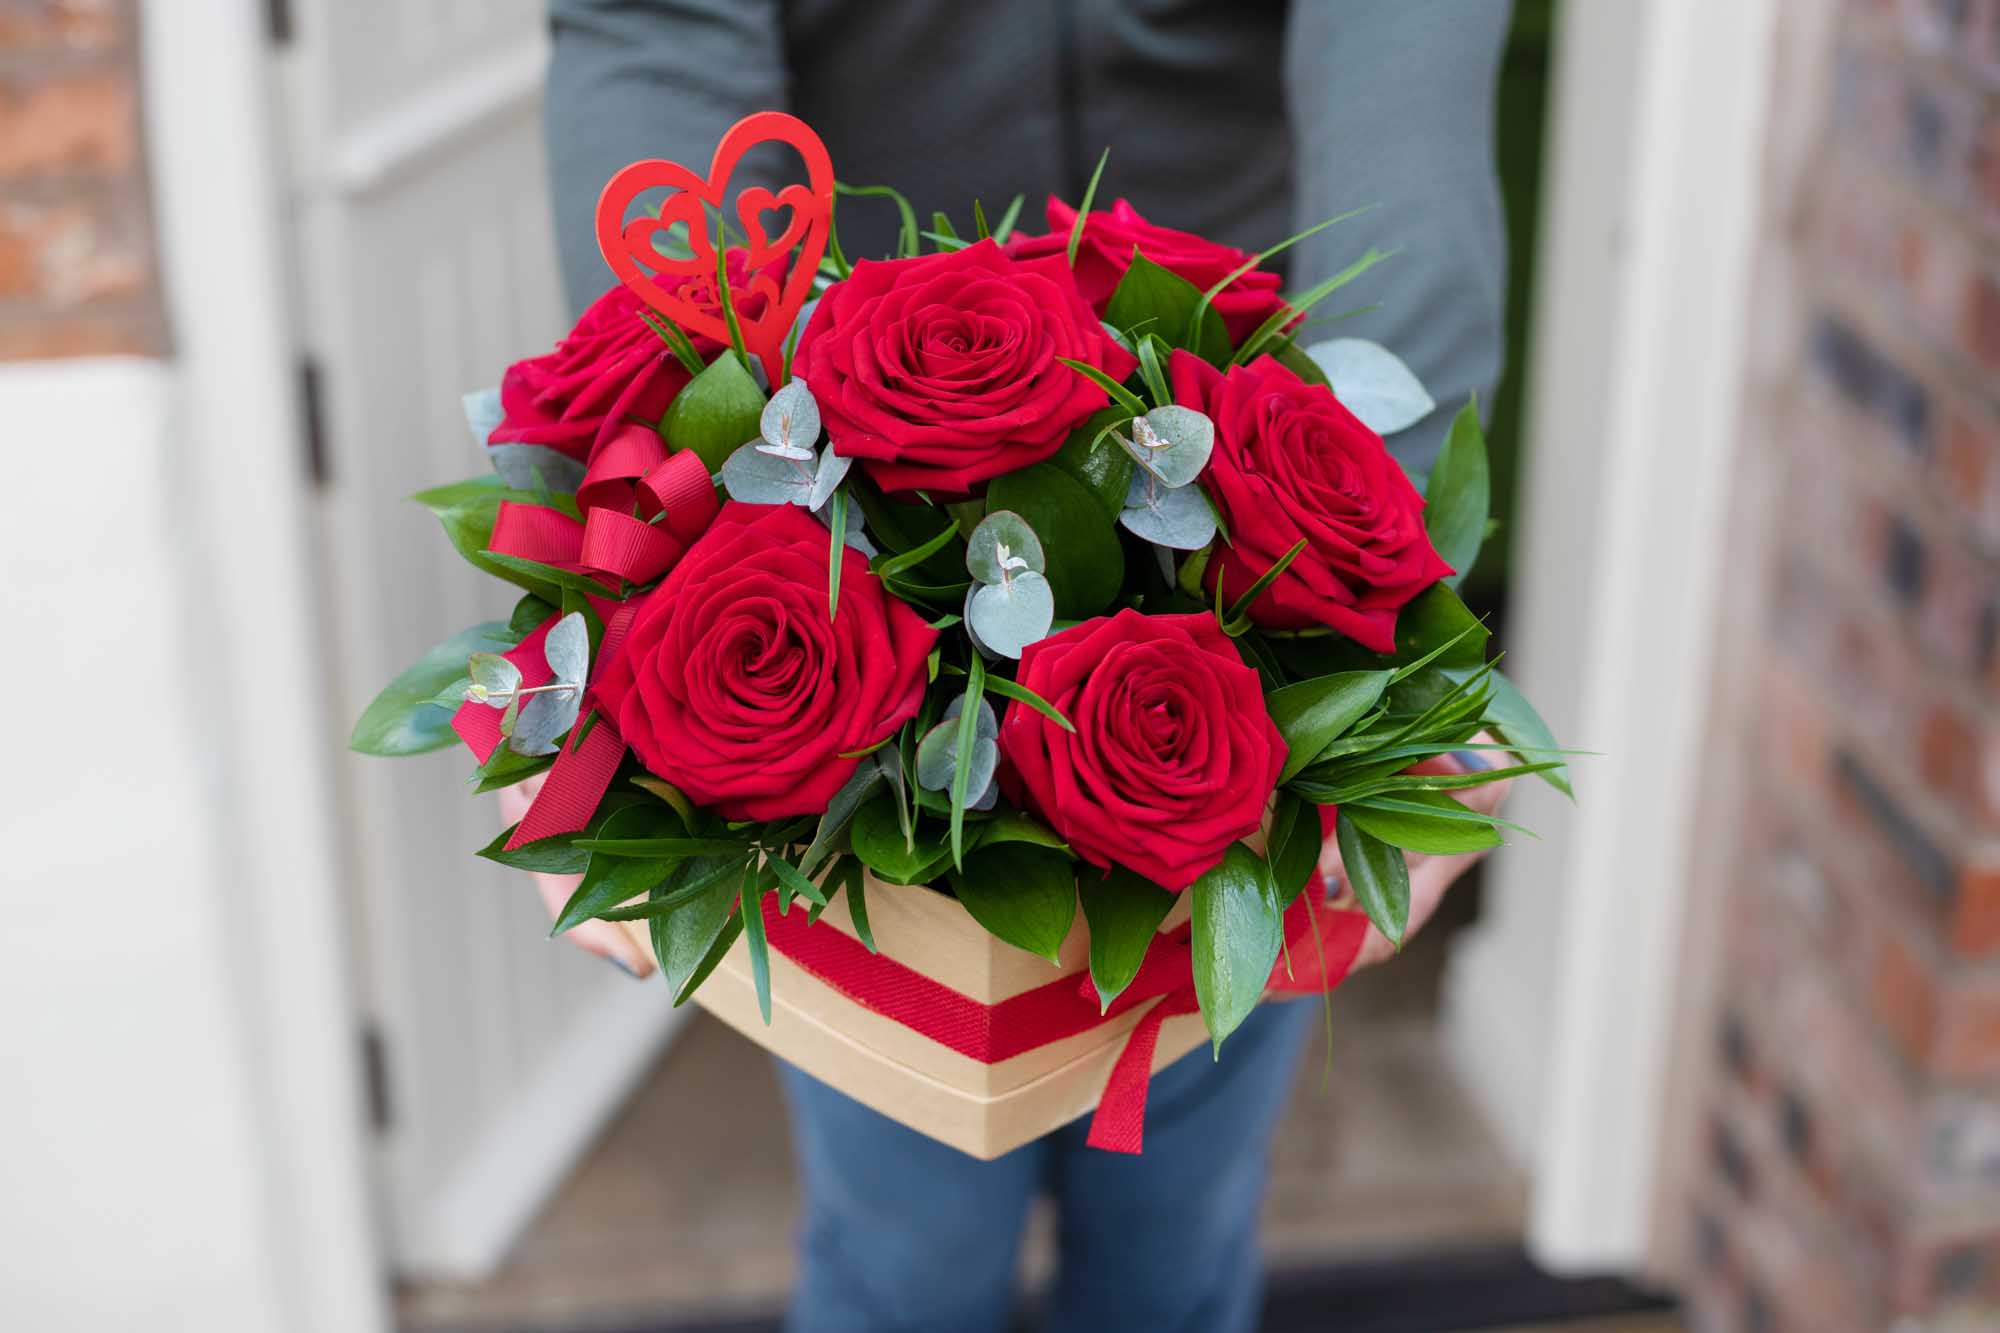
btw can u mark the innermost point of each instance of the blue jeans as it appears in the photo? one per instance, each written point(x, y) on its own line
point(904, 1235)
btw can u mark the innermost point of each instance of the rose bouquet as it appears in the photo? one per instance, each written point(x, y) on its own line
point(1009, 574)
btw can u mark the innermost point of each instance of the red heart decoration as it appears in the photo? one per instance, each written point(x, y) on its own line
point(630, 250)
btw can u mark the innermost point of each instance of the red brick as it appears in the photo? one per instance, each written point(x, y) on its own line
point(133, 332)
point(71, 252)
point(67, 122)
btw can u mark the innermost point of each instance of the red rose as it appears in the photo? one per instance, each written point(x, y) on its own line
point(610, 370)
point(940, 371)
point(733, 683)
point(1291, 462)
point(1106, 252)
point(1173, 757)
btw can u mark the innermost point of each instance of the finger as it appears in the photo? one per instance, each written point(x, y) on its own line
point(612, 944)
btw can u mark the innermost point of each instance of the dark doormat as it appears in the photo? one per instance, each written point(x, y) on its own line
point(1452, 1292)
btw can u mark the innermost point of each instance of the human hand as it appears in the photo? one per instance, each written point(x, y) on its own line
point(602, 938)
point(1430, 876)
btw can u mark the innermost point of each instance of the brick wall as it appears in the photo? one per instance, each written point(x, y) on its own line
point(1847, 1174)
point(77, 269)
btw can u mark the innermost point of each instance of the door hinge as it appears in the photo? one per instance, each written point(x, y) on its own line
point(278, 21)
point(375, 1078)
point(312, 422)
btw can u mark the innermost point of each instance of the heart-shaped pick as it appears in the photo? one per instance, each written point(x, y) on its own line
point(806, 211)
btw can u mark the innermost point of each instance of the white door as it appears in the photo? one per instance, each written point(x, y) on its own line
point(427, 264)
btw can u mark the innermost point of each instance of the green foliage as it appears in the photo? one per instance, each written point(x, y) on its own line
point(1021, 694)
point(1423, 821)
point(1514, 720)
point(1153, 300)
point(1456, 497)
point(876, 836)
point(907, 240)
point(1292, 850)
point(1083, 209)
point(690, 941)
point(1086, 561)
point(1380, 877)
point(1124, 912)
point(750, 909)
point(610, 881)
point(1021, 893)
point(1096, 460)
point(403, 719)
point(1238, 931)
point(717, 411)
point(1312, 713)
point(549, 856)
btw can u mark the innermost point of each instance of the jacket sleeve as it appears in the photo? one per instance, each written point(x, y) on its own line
point(631, 79)
point(1391, 105)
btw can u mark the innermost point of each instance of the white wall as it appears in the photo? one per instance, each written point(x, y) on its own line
point(130, 1157)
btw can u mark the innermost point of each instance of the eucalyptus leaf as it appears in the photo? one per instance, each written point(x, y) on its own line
point(1009, 616)
point(937, 753)
point(535, 467)
point(1173, 443)
point(1022, 894)
point(1373, 383)
point(852, 522)
point(832, 470)
point(403, 719)
point(791, 419)
point(483, 414)
point(494, 675)
point(1237, 934)
point(1177, 519)
point(756, 477)
point(1124, 911)
point(1086, 563)
point(567, 649)
point(543, 718)
point(1003, 529)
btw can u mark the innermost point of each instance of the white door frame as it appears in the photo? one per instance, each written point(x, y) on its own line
point(209, 120)
point(1560, 1008)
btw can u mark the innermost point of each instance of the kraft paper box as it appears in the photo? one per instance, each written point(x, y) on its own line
point(979, 1108)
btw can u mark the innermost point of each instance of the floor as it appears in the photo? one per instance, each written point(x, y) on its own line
point(684, 1209)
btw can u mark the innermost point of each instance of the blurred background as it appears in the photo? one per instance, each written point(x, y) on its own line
point(1720, 1051)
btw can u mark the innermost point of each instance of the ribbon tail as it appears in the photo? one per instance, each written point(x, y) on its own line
point(1119, 1124)
point(576, 783)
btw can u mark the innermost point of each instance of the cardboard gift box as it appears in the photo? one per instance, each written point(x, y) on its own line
point(983, 1107)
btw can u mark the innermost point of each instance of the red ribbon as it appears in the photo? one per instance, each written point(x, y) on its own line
point(1066, 1006)
point(609, 543)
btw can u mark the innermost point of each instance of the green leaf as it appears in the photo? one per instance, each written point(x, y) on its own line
point(1292, 849)
point(1086, 560)
point(613, 842)
point(1515, 721)
point(908, 236)
point(876, 836)
point(751, 908)
point(1083, 209)
point(837, 534)
point(548, 856)
point(689, 942)
point(1008, 219)
point(1380, 876)
point(1430, 834)
point(1021, 694)
point(1023, 894)
point(1099, 462)
point(1298, 305)
point(1152, 299)
point(1201, 314)
point(504, 768)
point(1237, 934)
point(1010, 825)
point(1236, 618)
point(529, 613)
point(469, 528)
point(1293, 358)
point(961, 769)
point(1434, 618)
point(609, 881)
point(1124, 911)
point(402, 719)
point(916, 555)
point(1121, 397)
point(717, 411)
point(789, 875)
point(1457, 496)
point(1313, 712)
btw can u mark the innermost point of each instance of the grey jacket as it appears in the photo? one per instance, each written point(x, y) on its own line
point(1244, 120)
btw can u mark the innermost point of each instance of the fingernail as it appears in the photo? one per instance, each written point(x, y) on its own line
point(1471, 759)
point(621, 965)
